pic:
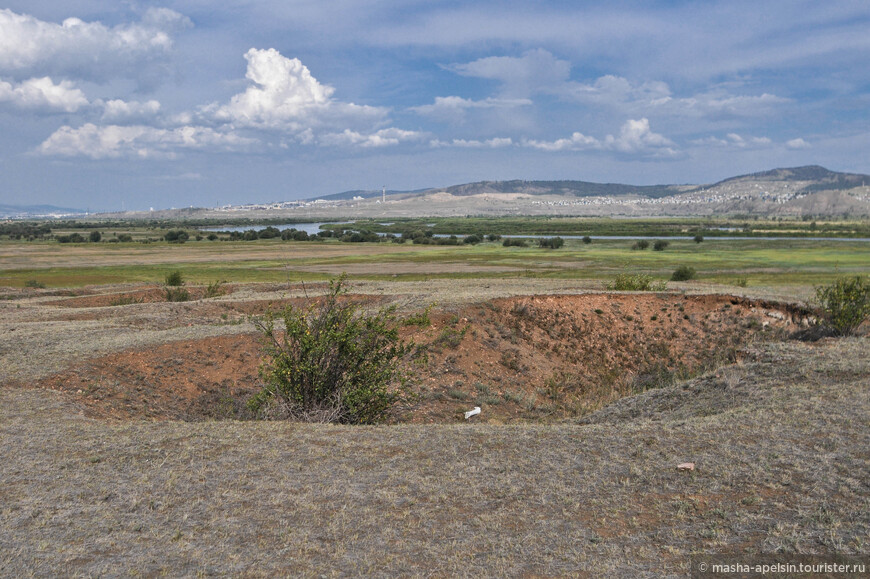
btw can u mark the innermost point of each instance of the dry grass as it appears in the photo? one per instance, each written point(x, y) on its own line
point(780, 442)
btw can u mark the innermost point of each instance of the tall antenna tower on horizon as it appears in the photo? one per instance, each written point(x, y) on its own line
point(384, 195)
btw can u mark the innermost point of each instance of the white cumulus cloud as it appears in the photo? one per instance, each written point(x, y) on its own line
point(117, 110)
point(44, 94)
point(113, 141)
point(576, 142)
point(635, 138)
point(735, 140)
point(797, 144)
point(88, 50)
point(382, 138)
point(285, 96)
point(494, 143)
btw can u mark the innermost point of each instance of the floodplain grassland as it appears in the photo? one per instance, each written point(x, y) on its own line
point(798, 263)
point(713, 227)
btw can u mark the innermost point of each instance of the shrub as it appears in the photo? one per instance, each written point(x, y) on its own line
point(552, 242)
point(845, 303)
point(698, 238)
point(174, 279)
point(176, 294)
point(587, 240)
point(36, 284)
point(72, 238)
point(125, 238)
point(176, 236)
point(212, 236)
point(640, 244)
point(638, 282)
point(420, 319)
point(215, 289)
point(95, 237)
point(473, 239)
point(660, 245)
point(683, 273)
point(332, 363)
point(514, 242)
point(450, 337)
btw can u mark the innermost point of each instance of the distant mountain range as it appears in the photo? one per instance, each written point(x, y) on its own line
point(787, 192)
point(814, 177)
point(18, 211)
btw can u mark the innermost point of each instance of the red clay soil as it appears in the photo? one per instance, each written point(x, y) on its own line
point(529, 358)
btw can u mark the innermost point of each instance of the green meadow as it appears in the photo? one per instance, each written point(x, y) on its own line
point(753, 262)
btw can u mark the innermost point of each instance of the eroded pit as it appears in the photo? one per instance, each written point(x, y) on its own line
point(534, 358)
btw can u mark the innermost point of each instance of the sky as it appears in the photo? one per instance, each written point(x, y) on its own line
point(109, 105)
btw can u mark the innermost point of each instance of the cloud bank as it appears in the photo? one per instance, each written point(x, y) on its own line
point(89, 50)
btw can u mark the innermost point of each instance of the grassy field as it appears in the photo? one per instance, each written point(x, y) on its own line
point(756, 262)
point(779, 443)
point(712, 227)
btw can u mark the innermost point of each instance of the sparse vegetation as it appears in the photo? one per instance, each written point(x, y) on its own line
point(215, 289)
point(639, 282)
point(126, 300)
point(176, 294)
point(420, 319)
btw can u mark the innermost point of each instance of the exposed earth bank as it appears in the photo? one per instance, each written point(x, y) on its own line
point(520, 358)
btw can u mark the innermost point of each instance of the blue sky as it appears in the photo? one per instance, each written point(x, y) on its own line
point(105, 105)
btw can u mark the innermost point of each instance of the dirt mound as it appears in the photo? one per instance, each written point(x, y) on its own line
point(529, 358)
point(551, 357)
point(148, 295)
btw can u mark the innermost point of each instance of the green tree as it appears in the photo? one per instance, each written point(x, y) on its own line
point(332, 362)
point(95, 236)
point(176, 236)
